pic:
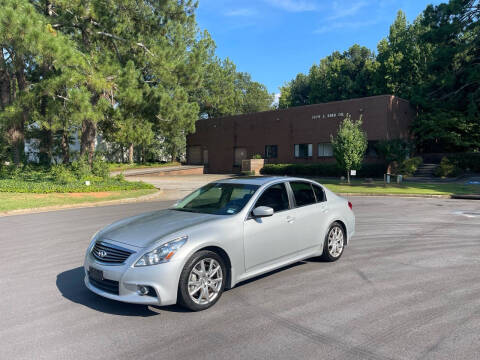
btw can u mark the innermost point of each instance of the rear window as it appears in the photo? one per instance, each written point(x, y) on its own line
point(303, 193)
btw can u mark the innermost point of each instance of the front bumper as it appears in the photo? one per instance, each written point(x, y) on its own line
point(163, 278)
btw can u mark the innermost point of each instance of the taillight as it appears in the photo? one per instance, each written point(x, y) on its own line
point(350, 205)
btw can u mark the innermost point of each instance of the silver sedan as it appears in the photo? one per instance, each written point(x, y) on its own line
point(221, 234)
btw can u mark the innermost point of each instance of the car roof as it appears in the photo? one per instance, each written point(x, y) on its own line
point(257, 180)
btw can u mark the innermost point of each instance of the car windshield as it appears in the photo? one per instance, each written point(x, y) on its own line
point(218, 199)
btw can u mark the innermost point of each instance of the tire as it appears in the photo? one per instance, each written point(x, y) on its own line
point(201, 287)
point(334, 243)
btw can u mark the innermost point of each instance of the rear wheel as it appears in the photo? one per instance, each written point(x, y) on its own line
point(334, 243)
point(202, 281)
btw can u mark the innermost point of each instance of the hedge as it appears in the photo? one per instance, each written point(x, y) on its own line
point(321, 169)
point(466, 161)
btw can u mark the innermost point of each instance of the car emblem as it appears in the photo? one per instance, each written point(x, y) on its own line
point(102, 253)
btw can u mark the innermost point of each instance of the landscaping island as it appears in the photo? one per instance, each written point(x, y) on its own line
point(59, 185)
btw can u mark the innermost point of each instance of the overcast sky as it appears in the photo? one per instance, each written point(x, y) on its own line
point(275, 39)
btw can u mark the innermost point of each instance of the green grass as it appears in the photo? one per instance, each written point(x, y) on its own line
point(408, 188)
point(16, 201)
point(49, 186)
point(121, 167)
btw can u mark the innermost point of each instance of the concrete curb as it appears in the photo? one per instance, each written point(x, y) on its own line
point(431, 196)
point(466, 197)
point(144, 198)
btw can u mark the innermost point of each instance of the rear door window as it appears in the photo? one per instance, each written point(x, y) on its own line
point(319, 193)
point(303, 193)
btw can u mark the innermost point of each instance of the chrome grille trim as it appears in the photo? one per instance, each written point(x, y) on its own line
point(114, 254)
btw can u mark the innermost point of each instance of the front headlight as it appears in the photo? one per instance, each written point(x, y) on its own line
point(163, 253)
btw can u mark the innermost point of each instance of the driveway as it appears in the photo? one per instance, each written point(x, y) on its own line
point(177, 186)
point(408, 287)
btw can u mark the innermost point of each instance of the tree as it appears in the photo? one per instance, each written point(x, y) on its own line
point(252, 96)
point(338, 76)
point(449, 99)
point(35, 59)
point(349, 145)
point(395, 150)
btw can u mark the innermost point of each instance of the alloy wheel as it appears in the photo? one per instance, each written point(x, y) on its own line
point(335, 241)
point(205, 281)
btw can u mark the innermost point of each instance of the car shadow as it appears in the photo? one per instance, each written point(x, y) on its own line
point(71, 286)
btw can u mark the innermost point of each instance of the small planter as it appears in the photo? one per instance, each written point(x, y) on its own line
point(252, 166)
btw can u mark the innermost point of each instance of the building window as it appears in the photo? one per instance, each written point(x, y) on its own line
point(325, 150)
point(271, 151)
point(303, 150)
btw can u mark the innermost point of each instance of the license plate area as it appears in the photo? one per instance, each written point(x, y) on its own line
point(95, 274)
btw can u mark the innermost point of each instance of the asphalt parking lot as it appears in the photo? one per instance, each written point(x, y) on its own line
point(408, 287)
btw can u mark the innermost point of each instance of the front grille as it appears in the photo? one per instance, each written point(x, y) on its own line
point(109, 253)
point(106, 285)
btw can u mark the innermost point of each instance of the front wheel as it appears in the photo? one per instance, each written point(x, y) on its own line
point(334, 243)
point(202, 281)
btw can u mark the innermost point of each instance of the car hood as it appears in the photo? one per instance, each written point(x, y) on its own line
point(145, 229)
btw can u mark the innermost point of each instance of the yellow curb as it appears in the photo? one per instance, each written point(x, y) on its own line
point(143, 198)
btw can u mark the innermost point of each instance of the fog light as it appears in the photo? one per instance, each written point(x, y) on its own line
point(142, 290)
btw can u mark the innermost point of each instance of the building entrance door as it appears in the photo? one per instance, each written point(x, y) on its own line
point(194, 155)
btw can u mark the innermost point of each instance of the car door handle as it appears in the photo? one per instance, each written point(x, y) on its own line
point(290, 219)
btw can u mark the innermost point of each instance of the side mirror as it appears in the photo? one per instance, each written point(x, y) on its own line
point(262, 211)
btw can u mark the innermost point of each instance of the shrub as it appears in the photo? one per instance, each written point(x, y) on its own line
point(81, 169)
point(447, 168)
point(409, 166)
point(257, 156)
point(62, 175)
point(466, 161)
point(322, 169)
point(100, 168)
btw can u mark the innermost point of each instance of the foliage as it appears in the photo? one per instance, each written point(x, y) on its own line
point(100, 168)
point(446, 168)
point(320, 169)
point(62, 175)
point(81, 169)
point(349, 145)
point(18, 186)
point(16, 201)
point(338, 76)
point(257, 156)
point(409, 166)
point(454, 165)
point(395, 150)
point(138, 73)
point(228, 92)
point(467, 161)
point(433, 62)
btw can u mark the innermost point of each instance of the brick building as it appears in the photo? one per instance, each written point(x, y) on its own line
point(295, 135)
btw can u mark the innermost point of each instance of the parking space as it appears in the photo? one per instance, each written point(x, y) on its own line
point(406, 288)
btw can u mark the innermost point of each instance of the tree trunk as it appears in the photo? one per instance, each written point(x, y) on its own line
point(65, 147)
point(46, 144)
point(17, 130)
point(348, 176)
point(130, 154)
point(16, 135)
point(87, 143)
